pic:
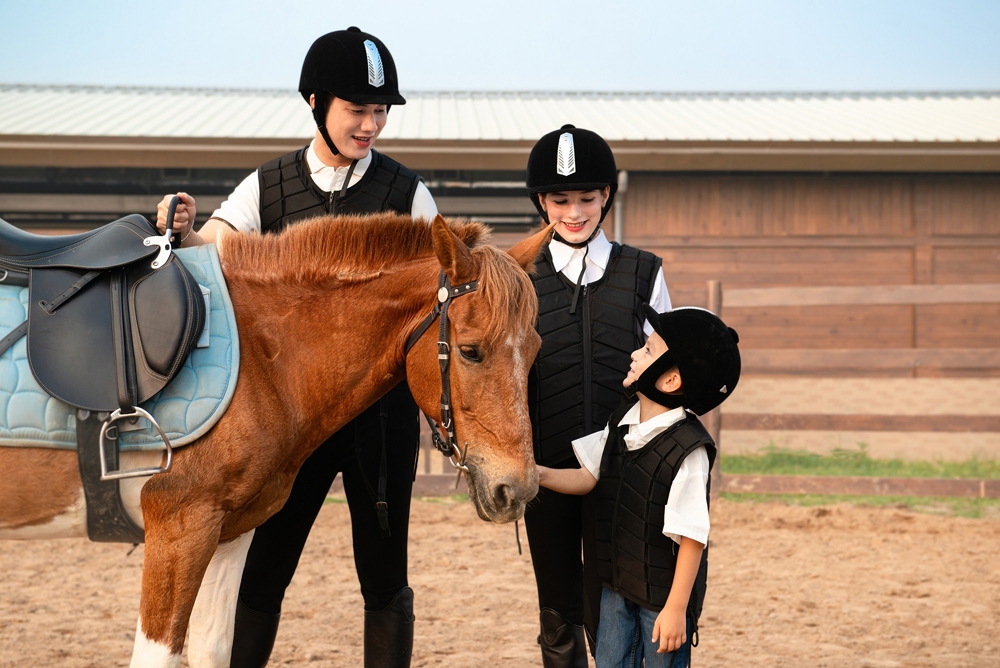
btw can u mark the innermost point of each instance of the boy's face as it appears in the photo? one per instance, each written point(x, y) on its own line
point(643, 357)
point(354, 127)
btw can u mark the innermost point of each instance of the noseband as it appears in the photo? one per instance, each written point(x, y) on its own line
point(446, 292)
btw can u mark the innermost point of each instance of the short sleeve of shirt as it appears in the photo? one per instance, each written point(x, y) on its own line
point(686, 513)
point(242, 208)
point(423, 205)
point(659, 299)
point(589, 450)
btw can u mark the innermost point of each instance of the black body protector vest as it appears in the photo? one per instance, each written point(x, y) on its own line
point(634, 558)
point(288, 193)
point(576, 380)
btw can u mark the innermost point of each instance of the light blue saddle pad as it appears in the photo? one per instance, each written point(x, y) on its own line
point(185, 409)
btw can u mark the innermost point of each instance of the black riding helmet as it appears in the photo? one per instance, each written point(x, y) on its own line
point(705, 353)
point(352, 65)
point(571, 158)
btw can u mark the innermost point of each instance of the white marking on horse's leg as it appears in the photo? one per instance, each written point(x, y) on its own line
point(210, 632)
point(71, 523)
point(131, 487)
point(149, 654)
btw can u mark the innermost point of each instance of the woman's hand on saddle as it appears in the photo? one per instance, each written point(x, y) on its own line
point(183, 216)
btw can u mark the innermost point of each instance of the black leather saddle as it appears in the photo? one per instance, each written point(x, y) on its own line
point(106, 330)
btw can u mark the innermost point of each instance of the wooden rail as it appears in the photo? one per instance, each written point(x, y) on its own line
point(808, 359)
point(819, 360)
point(972, 293)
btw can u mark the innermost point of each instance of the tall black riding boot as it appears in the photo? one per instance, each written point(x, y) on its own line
point(389, 633)
point(253, 637)
point(563, 644)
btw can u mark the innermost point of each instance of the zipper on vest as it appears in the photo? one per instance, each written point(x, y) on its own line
point(588, 374)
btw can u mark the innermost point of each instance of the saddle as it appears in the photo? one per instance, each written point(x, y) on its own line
point(106, 328)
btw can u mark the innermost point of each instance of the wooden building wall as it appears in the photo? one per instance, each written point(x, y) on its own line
point(779, 230)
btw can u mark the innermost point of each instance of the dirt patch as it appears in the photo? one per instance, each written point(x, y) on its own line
point(789, 586)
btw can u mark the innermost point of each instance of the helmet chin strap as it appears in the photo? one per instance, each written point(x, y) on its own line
point(319, 111)
point(326, 138)
point(646, 384)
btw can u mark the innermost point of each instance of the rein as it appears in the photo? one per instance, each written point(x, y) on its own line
point(446, 292)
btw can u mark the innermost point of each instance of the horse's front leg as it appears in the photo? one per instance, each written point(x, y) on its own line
point(210, 638)
point(180, 542)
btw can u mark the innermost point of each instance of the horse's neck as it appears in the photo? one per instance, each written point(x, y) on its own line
point(329, 352)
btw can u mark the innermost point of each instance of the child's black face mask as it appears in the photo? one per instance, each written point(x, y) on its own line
point(647, 382)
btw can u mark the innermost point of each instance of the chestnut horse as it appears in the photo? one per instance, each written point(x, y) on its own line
point(324, 311)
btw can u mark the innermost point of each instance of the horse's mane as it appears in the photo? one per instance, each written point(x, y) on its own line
point(330, 249)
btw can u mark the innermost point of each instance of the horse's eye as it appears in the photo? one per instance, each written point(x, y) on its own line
point(471, 353)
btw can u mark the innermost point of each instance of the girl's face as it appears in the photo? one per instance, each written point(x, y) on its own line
point(576, 213)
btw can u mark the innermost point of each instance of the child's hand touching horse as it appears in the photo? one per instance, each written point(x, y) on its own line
point(566, 481)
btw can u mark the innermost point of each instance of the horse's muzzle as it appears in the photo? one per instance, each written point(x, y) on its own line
point(501, 498)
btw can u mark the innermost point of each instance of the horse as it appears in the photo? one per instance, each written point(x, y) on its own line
point(324, 312)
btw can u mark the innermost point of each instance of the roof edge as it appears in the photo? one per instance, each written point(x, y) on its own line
point(283, 92)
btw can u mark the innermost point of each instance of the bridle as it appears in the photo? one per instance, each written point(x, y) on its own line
point(446, 292)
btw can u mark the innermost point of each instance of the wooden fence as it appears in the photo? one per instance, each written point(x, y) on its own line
point(817, 361)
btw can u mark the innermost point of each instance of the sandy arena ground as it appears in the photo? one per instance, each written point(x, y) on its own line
point(837, 587)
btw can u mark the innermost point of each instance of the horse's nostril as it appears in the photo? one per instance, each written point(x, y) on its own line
point(503, 496)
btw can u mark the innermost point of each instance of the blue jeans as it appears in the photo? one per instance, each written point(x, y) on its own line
point(624, 636)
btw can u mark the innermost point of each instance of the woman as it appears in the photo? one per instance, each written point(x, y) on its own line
point(590, 293)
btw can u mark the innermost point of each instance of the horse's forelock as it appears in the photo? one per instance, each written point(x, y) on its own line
point(507, 291)
point(328, 247)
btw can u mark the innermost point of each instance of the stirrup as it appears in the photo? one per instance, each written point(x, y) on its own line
point(134, 473)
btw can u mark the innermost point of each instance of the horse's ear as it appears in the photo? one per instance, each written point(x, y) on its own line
point(452, 253)
point(527, 250)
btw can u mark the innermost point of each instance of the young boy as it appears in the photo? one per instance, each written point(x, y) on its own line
point(650, 467)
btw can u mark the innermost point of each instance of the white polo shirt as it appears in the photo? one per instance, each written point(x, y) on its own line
point(686, 512)
point(242, 208)
point(566, 259)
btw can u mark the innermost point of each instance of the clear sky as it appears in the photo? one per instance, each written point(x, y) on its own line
point(611, 45)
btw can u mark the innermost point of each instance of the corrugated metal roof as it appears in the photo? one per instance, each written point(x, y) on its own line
point(511, 116)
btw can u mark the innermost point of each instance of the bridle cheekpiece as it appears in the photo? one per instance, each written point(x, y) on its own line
point(446, 293)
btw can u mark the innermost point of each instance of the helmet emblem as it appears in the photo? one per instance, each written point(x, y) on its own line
point(566, 155)
point(376, 75)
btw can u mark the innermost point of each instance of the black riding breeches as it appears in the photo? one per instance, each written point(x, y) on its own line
point(552, 522)
point(555, 524)
point(380, 562)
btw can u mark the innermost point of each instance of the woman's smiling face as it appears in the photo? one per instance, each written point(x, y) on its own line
point(576, 213)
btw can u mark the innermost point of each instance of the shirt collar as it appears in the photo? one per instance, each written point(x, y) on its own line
point(316, 165)
point(654, 425)
point(599, 252)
